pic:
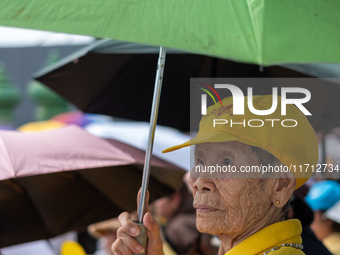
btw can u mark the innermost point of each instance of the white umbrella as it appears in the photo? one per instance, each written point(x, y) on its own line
point(18, 37)
point(136, 134)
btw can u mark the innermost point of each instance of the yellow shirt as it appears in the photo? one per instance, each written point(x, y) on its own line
point(332, 242)
point(288, 231)
point(167, 249)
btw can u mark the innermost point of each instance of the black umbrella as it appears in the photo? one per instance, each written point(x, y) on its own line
point(114, 78)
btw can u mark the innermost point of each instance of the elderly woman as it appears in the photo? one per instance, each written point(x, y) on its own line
point(245, 208)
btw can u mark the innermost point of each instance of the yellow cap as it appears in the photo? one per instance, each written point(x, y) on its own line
point(293, 146)
point(72, 248)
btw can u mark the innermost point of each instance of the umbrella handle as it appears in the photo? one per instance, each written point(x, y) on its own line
point(153, 121)
point(142, 238)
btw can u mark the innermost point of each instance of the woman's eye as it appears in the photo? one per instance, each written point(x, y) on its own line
point(199, 162)
point(226, 161)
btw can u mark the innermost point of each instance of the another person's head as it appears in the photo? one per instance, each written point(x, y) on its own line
point(177, 203)
point(238, 202)
point(321, 197)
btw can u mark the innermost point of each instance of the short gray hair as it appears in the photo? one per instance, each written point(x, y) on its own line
point(266, 158)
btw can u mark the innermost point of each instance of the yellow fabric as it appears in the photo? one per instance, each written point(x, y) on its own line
point(41, 126)
point(168, 250)
point(72, 248)
point(291, 145)
point(288, 231)
point(332, 243)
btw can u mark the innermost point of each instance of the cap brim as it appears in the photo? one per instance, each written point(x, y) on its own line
point(212, 138)
point(334, 213)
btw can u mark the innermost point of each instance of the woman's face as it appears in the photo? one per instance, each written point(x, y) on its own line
point(227, 204)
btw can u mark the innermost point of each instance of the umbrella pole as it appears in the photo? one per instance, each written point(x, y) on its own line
point(153, 121)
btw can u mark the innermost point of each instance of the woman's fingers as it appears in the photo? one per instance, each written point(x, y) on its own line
point(119, 247)
point(130, 242)
point(127, 225)
point(155, 244)
point(146, 201)
point(126, 242)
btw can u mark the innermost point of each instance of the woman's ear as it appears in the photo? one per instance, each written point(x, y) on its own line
point(283, 189)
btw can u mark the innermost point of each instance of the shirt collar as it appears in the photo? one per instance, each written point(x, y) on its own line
point(288, 231)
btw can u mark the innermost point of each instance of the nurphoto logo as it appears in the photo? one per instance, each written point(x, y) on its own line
point(238, 106)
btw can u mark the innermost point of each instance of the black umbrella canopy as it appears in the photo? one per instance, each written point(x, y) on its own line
point(116, 79)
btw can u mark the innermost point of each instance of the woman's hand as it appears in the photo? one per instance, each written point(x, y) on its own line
point(127, 244)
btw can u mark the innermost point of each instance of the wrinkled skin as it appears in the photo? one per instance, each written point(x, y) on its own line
point(233, 208)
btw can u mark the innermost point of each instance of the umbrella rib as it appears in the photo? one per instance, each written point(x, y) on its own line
point(256, 7)
point(34, 207)
point(79, 175)
point(134, 167)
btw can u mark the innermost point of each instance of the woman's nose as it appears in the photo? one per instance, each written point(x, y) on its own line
point(202, 184)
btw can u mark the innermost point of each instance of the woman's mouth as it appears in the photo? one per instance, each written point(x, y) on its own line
point(204, 208)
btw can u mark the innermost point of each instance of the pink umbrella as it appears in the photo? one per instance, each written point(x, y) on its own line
point(60, 180)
